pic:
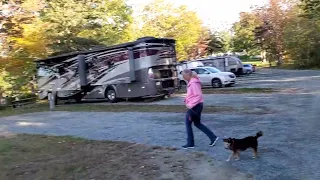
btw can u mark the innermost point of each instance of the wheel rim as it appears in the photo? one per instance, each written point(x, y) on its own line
point(111, 95)
point(216, 83)
point(183, 83)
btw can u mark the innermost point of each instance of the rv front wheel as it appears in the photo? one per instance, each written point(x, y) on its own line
point(182, 84)
point(111, 95)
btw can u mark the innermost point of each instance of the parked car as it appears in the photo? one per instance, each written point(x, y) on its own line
point(210, 76)
point(254, 67)
point(247, 68)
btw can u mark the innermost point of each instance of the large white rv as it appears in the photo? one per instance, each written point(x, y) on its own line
point(225, 64)
point(143, 68)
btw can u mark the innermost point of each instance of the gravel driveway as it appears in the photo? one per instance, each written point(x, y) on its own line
point(307, 80)
point(289, 148)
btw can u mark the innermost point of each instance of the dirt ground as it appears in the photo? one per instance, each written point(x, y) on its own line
point(49, 157)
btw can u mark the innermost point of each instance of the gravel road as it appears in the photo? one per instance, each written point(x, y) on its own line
point(289, 148)
point(306, 80)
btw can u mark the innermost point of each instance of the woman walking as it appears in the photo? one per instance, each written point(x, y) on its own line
point(194, 103)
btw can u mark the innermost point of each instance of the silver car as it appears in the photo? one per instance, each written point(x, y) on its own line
point(210, 76)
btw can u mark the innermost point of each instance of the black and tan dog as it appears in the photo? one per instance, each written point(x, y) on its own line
point(237, 145)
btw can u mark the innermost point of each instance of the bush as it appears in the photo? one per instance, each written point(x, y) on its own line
point(245, 58)
point(2, 107)
point(25, 96)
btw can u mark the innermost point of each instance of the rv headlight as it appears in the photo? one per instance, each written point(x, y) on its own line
point(158, 83)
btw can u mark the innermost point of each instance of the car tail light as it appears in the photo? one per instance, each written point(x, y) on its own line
point(150, 73)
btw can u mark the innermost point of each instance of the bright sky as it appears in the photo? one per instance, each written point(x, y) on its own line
point(217, 14)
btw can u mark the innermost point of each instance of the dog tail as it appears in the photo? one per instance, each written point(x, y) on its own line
point(259, 134)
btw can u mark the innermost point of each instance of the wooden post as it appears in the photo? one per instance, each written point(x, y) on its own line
point(52, 99)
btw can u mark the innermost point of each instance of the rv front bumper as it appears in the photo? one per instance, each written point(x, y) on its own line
point(168, 90)
point(167, 86)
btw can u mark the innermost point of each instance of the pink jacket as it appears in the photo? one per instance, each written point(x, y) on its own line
point(194, 93)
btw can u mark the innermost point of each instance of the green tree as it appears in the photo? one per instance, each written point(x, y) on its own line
point(82, 24)
point(37, 28)
point(226, 39)
point(244, 37)
point(286, 35)
point(4, 85)
point(216, 44)
point(309, 25)
point(23, 40)
point(162, 19)
point(311, 8)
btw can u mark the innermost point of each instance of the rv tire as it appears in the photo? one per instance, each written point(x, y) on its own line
point(56, 100)
point(182, 84)
point(78, 98)
point(111, 95)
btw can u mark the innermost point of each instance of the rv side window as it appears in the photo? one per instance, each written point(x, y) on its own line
point(232, 62)
point(44, 72)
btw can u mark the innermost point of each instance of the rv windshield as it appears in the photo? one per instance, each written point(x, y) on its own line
point(213, 70)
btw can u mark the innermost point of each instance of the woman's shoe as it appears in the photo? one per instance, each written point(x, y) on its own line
point(187, 147)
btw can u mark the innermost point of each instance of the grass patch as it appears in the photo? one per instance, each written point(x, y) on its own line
point(85, 107)
point(292, 66)
point(50, 157)
point(235, 91)
point(260, 64)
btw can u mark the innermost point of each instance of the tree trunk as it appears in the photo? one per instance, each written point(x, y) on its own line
point(280, 60)
point(264, 56)
point(1, 93)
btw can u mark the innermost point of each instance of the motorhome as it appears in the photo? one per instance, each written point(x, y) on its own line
point(143, 68)
point(224, 64)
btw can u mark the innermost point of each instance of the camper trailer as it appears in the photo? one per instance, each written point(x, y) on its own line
point(188, 64)
point(225, 64)
point(143, 68)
